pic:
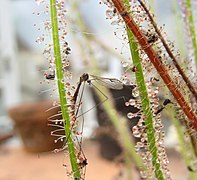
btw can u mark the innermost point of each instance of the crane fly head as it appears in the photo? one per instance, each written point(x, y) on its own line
point(166, 101)
point(84, 77)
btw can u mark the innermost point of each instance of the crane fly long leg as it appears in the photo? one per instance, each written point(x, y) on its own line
point(83, 79)
point(107, 82)
point(80, 100)
point(98, 104)
point(111, 83)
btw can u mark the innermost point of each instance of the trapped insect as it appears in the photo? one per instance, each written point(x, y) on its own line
point(151, 36)
point(50, 76)
point(165, 103)
point(191, 169)
point(133, 69)
point(74, 106)
point(111, 83)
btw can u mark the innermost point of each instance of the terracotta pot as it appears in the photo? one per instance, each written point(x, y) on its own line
point(31, 121)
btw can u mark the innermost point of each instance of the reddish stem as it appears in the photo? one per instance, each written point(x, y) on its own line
point(181, 72)
point(156, 61)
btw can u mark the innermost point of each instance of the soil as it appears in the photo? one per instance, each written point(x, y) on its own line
point(17, 164)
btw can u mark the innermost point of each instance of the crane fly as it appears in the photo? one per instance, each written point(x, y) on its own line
point(107, 82)
point(111, 83)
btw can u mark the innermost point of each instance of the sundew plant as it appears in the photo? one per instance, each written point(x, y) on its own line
point(162, 78)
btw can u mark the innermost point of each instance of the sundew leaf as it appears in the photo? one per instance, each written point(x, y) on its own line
point(145, 102)
point(61, 89)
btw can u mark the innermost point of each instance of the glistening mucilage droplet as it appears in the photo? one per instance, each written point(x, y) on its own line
point(110, 14)
point(135, 92)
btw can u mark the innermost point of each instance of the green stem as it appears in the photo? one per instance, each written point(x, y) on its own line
point(61, 89)
point(145, 105)
point(192, 28)
point(145, 102)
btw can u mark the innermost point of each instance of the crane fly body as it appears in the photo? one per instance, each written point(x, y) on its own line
point(111, 83)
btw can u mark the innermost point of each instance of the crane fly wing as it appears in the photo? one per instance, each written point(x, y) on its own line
point(111, 83)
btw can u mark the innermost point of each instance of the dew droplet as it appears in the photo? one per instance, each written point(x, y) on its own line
point(140, 144)
point(55, 150)
point(38, 2)
point(135, 92)
point(127, 104)
point(47, 25)
point(109, 14)
point(136, 132)
point(116, 22)
point(124, 64)
point(40, 39)
point(132, 102)
point(143, 174)
point(130, 115)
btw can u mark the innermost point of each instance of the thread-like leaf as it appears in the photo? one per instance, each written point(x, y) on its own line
point(144, 101)
point(192, 28)
point(61, 89)
point(184, 149)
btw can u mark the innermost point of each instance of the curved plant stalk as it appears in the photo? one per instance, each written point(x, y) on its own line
point(152, 4)
point(178, 28)
point(181, 44)
point(192, 28)
point(120, 126)
point(92, 38)
point(61, 89)
point(142, 40)
point(184, 149)
point(144, 102)
point(106, 48)
point(174, 60)
point(79, 21)
point(118, 122)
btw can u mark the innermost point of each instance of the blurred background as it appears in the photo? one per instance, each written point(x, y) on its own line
point(22, 84)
